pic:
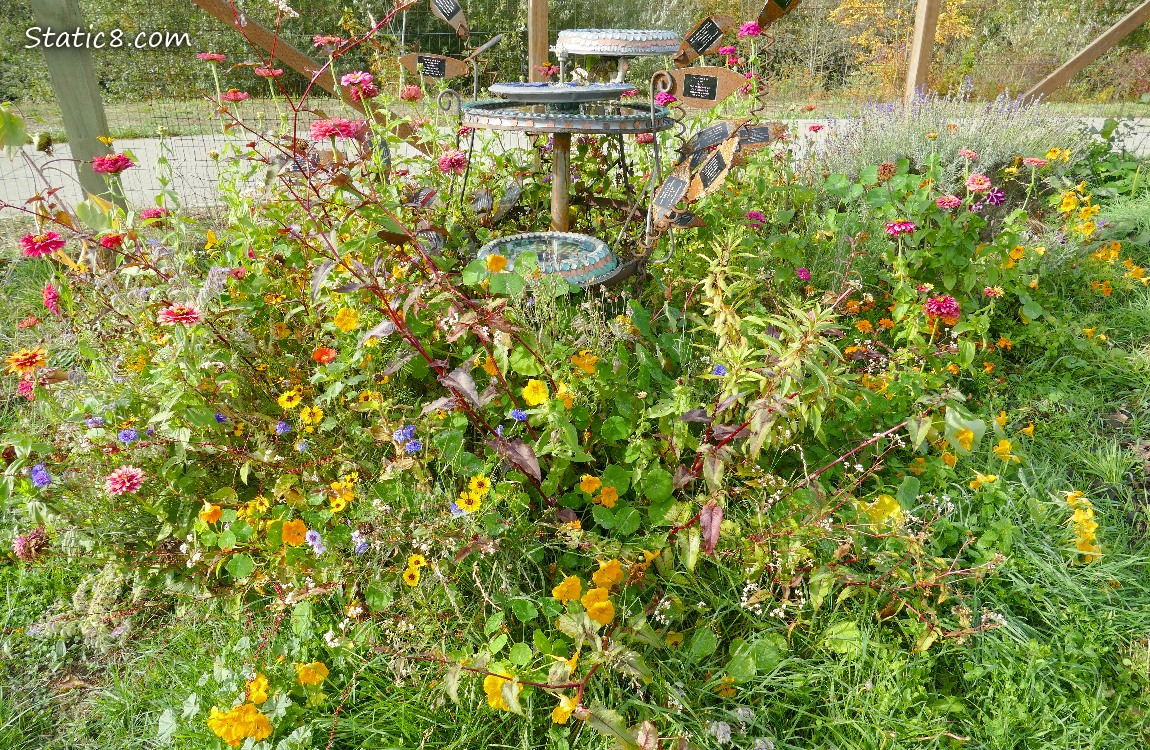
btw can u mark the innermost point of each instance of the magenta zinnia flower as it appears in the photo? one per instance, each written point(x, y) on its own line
point(357, 78)
point(234, 95)
point(896, 228)
point(123, 480)
point(728, 51)
point(547, 70)
point(111, 241)
point(40, 245)
point(319, 40)
point(663, 98)
point(947, 201)
point(453, 161)
point(183, 315)
point(212, 57)
point(27, 389)
point(336, 127)
point(411, 94)
point(815, 128)
point(111, 164)
point(803, 274)
point(645, 138)
point(750, 28)
point(269, 72)
point(51, 299)
point(756, 219)
point(978, 183)
point(27, 546)
point(155, 213)
point(943, 306)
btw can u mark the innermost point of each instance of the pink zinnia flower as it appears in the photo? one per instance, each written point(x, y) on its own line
point(212, 57)
point(752, 79)
point(728, 51)
point(803, 274)
point(547, 70)
point(943, 306)
point(336, 127)
point(51, 299)
point(364, 91)
point(816, 128)
point(123, 480)
point(319, 40)
point(238, 273)
point(184, 315)
point(645, 138)
point(357, 78)
point(968, 153)
point(733, 60)
point(411, 94)
point(978, 183)
point(465, 130)
point(663, 98)
point(27, 389)
point(993, 291)
point(111, 164)
point(269, 72)
point(40, 245)
point(631, 93)
point(155, 213)
point(947, 201)
point(1032, 161)
point(896, 228)
point(750, 28)
point(234, 95)
point(111, 241)
point(453, 161)
point(756, 219)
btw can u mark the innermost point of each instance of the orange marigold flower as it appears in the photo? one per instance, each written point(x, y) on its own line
point(27, 361)
point(590, 484)
point(608, 497)
point(324, 354)
point(293, 532)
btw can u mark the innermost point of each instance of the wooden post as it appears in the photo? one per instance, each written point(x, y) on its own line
point(77, 90)
point(1092, 52)
point(538, 38)
point(922, 48)
point(561, 183)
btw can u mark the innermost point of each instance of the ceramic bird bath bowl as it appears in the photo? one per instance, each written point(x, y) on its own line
point(561, 95)
point(617, 42)
point(579, 258)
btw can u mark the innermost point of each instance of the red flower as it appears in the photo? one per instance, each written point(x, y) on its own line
point(183, 315)
point(269, 72)
point(816, 128)
point(111, 164)
point(40, 245)
point(155, 213)
point(212, 57)
point(51, 299)
point(111, 241)
point(234, 95)
point(411, 94)
point(336, 127)
point(324, 354)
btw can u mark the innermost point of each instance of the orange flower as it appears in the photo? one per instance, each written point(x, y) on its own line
point(608, 497)
point(211, 513)
point(988, 366)
point(589, 483)
point(324, 354)
point(293, 532)
point(864, 326)
point(27, 361)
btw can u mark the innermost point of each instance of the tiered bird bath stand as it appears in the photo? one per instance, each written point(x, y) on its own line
point(563, 110)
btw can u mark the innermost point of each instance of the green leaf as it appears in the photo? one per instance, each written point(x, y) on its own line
point(493, 623)
point(742, 665)
point(301, 619)
point(615, 428)
point(475, 272)
point(523, 362)
point(658, 485)
point(377, 596)
point(241, 566)
point(520, 654)
point(844, 638)
point(13, 134)
point(511, 284)
point(702, 644)
point(603, 516)
point(627, 520)
point(908, 491)
point(167, 727)
point(617, 477)
point(497, 643)
point(524, 609)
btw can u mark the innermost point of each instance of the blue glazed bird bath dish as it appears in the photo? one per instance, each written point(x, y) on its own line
point(581, 259)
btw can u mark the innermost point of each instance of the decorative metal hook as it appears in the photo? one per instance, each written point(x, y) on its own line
point(442, 101)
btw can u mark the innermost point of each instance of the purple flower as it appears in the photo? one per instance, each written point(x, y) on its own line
point(302, 446)
point(128, 436)
point(404, 434)
point(40, 476)
point(803, 274)
point(499, 430)
point(996, 197)
point(756, 219)
point(720, 371)
point(359, 544)
point(94, 422)
point(150, 431)
point(413, 446)
point(282, 427)
point(663, 98)
point(519, 415)
point(313, 538)
point(455, 509)
point(220, 418)
point(750, 28)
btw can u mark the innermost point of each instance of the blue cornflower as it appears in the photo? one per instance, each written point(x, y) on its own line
point(282, 427)
point(719, 370)
point(455, 509)
point(359, 544)
point(94, 422)
point(404, 434)
point(302, 446)
point(40, 476)
point(220, 418)
point(519, 415)
point(413, 446)
point(128, 436)
point(150, 431)
point(499, 430)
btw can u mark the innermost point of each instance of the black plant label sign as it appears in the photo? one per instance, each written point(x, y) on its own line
point(701, 87)
point(447, 9)
point(784, 4)
point(671, 191)
point(432, 67)
point(709, 136)
point(761, 135)
point(704, 37)
point(711, 171)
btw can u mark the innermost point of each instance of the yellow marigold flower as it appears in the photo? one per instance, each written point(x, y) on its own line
point(289, 399)
point(258, 689)
point(346, 320)
point(565, 395)
point(608, 497)
point(1001, 419)
point(468, 502)
point(980, 479)
point(535, 392)
point(27, 361)
point(416, 561)
point(493, 687)
point(479, 485)
point(311, 415)
point(1002, 450)
point(1017, 252)
point(411, 577)
point(293, 532)
point(570, 589)
point(312, 673)
point(241, 722)
point(1086, 228)
point(1028, 430)
point(1004, 343)
point(585, 361)
point(339, 504)
point(211, 513)
point(496, 263)
point(949, 459)
point(490, 367)
point(965, 438)
point(564, 710)
point(590, 484)
point(598, 605)
point(608, 574)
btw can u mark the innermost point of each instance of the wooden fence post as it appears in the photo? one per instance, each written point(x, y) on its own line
point(922, 48)
point(1092, 52)
point(73, 74)
point(538, 37)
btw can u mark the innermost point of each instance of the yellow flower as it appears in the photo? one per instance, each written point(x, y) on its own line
point(490, 367)
point(949, 459)
point(534, 393)
point(311, 674)
point(27, 361)
point(608, 497)
point(241, 722)
point(1069, 202)
point(1004, 343)
point(1028, 430)
point(1002, 450)
point(293, 532)
point(564, 710)
point(1089, 332)
point(1087, 212)
point(416, 561)
point(479, 485)
point(953, 368)
point(608, 574)
point(496, 263)
point(338, 504)
point(311, 415)
point(965, 438)
point(726, 687)
point(1001, 419)
point(590, 484)
point(566, 396)
point(411, 577)
point(1086, 228)
point(598, 605)
point(367, 397)
point(988, 367)
point(258, 689)
point(1017, 252)
point(585, 361)
point(932, 136)
point(884, 508)
point(980, 479)
point(289, 399)
point(493, 687)
point(210, 513)
point(571, 588)
point(468, 503)
point(347, 319)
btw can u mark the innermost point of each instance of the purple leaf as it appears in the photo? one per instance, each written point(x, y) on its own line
point(460, 380)
point(683, 477)
point(710, 521)
point(520, 454)
point(695, 415)
point(724, 431)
